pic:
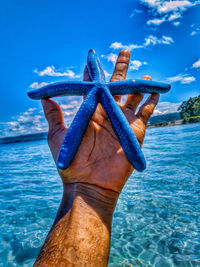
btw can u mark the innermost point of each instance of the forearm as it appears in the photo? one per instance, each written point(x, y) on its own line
point(81, 232)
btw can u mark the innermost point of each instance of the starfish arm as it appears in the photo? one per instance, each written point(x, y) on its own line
point(77, 129)
point(137, 87)
point(123, 130)
point(61, 88)
point(94, 67)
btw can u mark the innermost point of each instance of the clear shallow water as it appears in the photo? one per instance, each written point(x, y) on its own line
point(157, 219)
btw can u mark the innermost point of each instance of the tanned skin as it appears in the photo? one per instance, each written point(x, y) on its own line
point(80, 235)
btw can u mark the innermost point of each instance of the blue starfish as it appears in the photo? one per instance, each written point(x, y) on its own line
point(99, 91)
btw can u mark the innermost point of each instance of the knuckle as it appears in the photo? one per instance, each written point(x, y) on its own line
point(118, 76)
point(148, 109)
point(50, 112)
point(142, 117)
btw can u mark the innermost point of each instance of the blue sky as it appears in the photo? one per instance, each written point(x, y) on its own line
point(47, 41)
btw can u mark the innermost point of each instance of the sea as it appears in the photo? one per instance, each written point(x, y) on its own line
point(157, 217)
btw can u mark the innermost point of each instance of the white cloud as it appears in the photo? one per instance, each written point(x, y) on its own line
point(107, 74)
point(149, 40)
point(26, 123)
point(188, 80)
point(136, 64)
point(174, 16)
point(168, 6)
point(165, 108)
point(176, 78)
point(33, 120)
point(116, 45)
point(166, 40)
point(51, 71)
point(150, 3)
point(182, 78)
point(162, 6)
point(37, 85)
point(196, 64)
point(130, 47)
point(66, 106)
point(155, 21)
point(159, 21)
point(135, 11)
point(31, 109)
point(195, 31)
point(171, 10)
point(176, 23)
point(110, 57)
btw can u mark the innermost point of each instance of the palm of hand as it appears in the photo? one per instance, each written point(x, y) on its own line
point(100, 159)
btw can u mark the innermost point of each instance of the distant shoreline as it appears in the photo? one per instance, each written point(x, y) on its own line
point(23, 138)
point(43, 135)
point(165, 124)
point(170, 123)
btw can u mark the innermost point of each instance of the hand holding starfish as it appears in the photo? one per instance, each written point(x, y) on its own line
point(100, 159)
point(80, 235)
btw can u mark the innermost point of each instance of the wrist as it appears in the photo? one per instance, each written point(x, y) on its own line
point(105, 198)
point(102, 201)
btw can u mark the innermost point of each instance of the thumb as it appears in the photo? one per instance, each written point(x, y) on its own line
point(53, 114)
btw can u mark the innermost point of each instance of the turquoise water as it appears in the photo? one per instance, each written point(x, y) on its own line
point(157, 218)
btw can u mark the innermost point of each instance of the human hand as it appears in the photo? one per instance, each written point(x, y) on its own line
point(100, 160)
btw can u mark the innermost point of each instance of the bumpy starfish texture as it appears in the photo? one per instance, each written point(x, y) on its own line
point(99, 91)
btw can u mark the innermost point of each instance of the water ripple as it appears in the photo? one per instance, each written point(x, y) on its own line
point(157, 218)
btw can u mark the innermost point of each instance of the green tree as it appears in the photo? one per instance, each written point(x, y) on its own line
point(190, 108)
